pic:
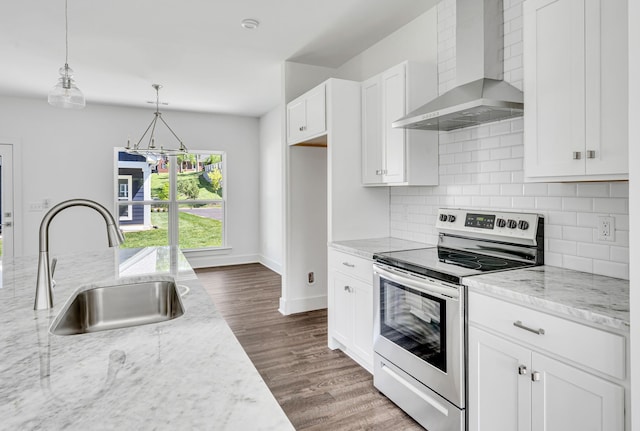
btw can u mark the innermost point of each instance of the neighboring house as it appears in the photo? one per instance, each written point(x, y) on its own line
point(134, 184)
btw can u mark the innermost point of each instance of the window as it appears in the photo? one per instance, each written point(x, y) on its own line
point(178, 200)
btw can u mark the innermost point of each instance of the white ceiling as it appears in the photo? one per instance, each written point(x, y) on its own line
point(195, 48)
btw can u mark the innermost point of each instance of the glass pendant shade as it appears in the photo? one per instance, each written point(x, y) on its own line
point(66, 94)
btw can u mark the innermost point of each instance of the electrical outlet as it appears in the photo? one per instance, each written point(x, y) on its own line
point(606, 228)
point(311, 278)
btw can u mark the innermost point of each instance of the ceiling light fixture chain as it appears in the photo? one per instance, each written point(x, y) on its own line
point(66, 94)
point(151, 152)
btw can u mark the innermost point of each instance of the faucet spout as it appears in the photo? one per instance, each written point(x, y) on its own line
point(44, 288)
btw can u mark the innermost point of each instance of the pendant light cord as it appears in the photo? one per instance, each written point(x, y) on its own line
point(66, 33)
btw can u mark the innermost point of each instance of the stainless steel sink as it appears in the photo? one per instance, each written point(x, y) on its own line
point(119, 305)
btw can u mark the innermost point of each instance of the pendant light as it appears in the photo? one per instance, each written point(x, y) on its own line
point(152, 152)
point(66, 94)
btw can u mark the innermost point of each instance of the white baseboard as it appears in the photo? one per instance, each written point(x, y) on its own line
point(198, 260)
point(271, 264)
point(300, 305)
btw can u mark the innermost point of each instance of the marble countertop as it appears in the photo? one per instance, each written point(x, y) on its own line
point(188, 373)
point(368, 247)
point(581, 296)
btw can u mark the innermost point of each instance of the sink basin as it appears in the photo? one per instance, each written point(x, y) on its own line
point(119, 305)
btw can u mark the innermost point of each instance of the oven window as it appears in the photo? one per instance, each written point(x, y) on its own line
point(415, 321)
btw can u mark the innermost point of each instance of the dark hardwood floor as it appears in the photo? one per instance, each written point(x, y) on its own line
point(318, 388)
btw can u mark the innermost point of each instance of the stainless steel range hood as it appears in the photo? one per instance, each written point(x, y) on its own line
point(481, 96)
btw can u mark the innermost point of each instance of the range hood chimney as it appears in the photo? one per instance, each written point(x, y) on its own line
point(481, 96)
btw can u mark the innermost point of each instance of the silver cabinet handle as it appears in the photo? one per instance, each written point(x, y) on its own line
point(535, 376)
point(591, 154)
point(522, 370)
point(350, 265)
point(577, 155)
point(520, 325)
point(347, 289)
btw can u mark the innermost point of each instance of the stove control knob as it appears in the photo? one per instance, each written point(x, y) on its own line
point(523, 225)
point(512, 224)
point(452, 218)
point(501, 222)
point(443, 217)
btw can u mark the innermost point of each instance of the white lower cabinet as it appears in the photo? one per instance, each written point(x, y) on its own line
point(515, 386)
point(351, 307)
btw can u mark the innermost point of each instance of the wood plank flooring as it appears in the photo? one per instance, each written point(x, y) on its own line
point(318, 388)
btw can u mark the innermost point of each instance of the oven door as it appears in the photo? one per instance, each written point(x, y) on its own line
point(419, 328)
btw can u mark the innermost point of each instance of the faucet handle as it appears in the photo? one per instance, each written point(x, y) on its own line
point(54, 262)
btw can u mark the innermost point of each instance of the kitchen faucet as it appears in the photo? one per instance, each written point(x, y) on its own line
point(44, 288)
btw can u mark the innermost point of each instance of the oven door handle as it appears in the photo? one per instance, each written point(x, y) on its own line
point(443, 292)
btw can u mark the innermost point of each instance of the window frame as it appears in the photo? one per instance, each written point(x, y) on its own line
point(173, 204)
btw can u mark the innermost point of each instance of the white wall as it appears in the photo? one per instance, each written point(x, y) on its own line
point(69, 154)
point(482, 167)
point(634, 210)
point(271, 218)
point(416, 41)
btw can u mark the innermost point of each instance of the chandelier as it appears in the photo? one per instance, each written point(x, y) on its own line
point(65, 94)
point(151, 151)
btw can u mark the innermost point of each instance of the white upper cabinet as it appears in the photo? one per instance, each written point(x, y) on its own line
point(306, 116)
point(398, 156)
point(575, 89)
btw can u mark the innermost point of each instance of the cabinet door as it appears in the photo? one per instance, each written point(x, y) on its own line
point(363, 321)
point(554, 87)
point(499, 384)
point(394, 104)
point(607, 115)
point(296, 114)
point(372, 163)
point(342, 312)
point(568, 399)
point(316, 112)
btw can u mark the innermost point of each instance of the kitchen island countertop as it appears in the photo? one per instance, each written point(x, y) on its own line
point(187, 373)
point(581, 296)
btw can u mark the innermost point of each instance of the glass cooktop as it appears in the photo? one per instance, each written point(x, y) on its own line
point(447, 264)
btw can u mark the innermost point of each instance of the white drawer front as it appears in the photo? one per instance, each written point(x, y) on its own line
point(594, 348)
point(349, 264)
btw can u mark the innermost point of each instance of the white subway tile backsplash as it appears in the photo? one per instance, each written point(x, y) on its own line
point(524, 203)
point(553, 259)
point(619, 254)
point(612, 269)
point(501, 203)
point(501, 153)
point(562, 189)
point(511, 189)
point(578, 263)
point(546, 203)
point(514, 164)
point(563, 246)
point(490, 189)
point(594, 251)
point(594, 190)
point(620, 189)
point(577, 204)
point(482, 167)
point(490, 166)
point(499, 128)
point(490, 142)
point(552, 231)
point(480, 201)
point(611, 205)
point(500, 177)
point(535, 189)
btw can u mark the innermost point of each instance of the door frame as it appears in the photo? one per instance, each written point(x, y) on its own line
point(13, 148)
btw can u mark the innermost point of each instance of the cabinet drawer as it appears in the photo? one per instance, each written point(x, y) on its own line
point(351, 265)
point(600, 350)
